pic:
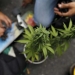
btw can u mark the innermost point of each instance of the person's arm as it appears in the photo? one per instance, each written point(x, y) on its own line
point(70, 6)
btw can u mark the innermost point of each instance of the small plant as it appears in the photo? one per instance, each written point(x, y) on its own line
point(40, 42)
point(60, 38)
point(37, 43)
point(67, 32)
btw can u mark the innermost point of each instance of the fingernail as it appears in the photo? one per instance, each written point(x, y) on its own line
point(59, 5)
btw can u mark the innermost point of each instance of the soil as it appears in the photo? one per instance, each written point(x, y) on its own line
point(52, 66)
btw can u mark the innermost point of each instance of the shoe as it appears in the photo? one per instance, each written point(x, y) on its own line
point(72, 70)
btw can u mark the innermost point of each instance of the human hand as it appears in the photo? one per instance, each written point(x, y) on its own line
point(26, 2)
point(70, 6)
point(2, 30)
point(5, 19)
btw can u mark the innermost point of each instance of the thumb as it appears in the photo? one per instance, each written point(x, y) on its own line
point(63, 5)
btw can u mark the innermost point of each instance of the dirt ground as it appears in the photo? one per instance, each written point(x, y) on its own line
point(52, 66)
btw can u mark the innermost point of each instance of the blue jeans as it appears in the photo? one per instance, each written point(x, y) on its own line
point(44, 12)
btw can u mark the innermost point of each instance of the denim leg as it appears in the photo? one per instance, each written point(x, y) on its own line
point(44, 11)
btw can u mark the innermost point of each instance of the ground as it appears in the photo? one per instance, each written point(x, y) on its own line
point(52, 66)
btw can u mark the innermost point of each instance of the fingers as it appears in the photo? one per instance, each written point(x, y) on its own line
point(63, 13)
point(63, 5)
point(8, 21)
point(56, 9)
point(4, 18)
point(70, 12)
point(70, 6)
point(2, 30)
point(67, 5)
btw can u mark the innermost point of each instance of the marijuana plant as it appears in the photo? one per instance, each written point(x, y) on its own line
point(60, 38)
point(37, 43)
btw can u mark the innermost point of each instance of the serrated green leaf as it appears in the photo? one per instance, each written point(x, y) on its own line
point(33, 59)
point(26, 51)
point(26, 37)
point(53, 29)
point(44, 51)
point(65, 26)
point(23, 41)
point(70, 25)
point(50, 49)
point(61, 30)
point(31, 29)
point(37, 57)
point(48, 44)
point(59, 50)
point(29, 55)
point(65, 45)
point(53, 32)
point(27, 32)
point(40, 26)
point(46, 32)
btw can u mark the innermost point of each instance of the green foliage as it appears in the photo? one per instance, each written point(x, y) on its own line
point(67, 32)
point(60, 40)
point(37, 42)
point(42, 42)
point(61, 47)
point(53, 32)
